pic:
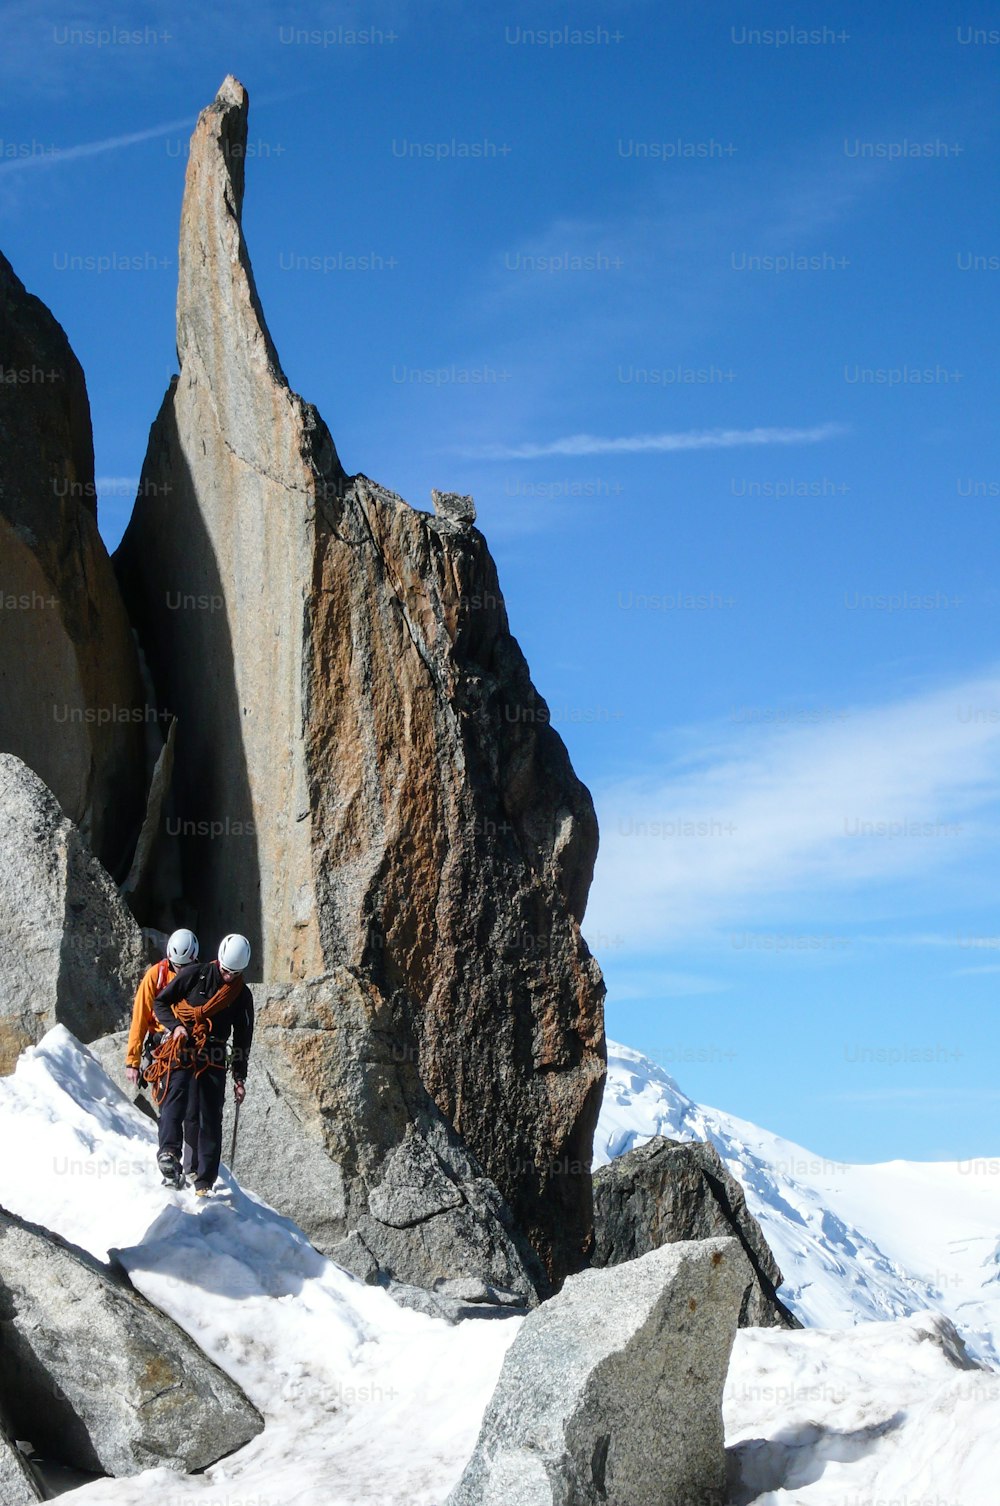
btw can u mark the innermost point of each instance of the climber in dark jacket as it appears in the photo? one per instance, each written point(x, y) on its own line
point(199, 1011)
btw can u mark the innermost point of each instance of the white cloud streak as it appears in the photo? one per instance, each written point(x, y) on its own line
point(916, 1096)
point(650, 983)
point(787, 823)
point(93, 148)
point(637, 444)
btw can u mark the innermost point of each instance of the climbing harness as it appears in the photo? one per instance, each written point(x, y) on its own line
point(191, 1051)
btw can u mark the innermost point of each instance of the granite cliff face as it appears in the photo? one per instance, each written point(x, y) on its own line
point(364, 775)
point(217, 570)
point(71, 699)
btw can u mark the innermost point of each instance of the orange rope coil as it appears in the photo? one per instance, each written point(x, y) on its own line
point(190, 1051)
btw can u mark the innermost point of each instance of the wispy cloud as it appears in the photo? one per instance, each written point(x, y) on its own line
point(92, 148)
point(636, 444)
point(633, 984)
point(122, 485)
point(959, 939)
point(917, 1096)
point(780, 823)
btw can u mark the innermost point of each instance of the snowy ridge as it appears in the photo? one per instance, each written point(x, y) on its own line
point(366, 1404)
point(359, 1395)
point(855, 1243)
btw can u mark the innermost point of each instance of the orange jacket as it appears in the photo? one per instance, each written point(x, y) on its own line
point(154, 980)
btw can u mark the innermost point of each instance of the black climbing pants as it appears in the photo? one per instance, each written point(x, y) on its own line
point(191, 1114)
point(194, 1105)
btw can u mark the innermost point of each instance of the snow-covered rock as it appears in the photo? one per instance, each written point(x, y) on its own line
point(363, 1401)
point(891, 1413)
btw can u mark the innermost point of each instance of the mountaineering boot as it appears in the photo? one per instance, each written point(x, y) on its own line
point(170, 1169)
point(203, 1192)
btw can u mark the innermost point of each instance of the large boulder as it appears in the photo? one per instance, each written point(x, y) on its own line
point(72, 954)
point(670, 1190)
point(611, 1393)
point(339, 1133)
point(71, 698)
point(414, 1202)
point(95, 1376)
point(365, 775)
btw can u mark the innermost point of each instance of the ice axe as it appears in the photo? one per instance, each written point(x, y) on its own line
point(232, 1145)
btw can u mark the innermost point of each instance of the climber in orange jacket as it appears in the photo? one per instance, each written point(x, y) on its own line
point(182, 949)
point(200, 1011)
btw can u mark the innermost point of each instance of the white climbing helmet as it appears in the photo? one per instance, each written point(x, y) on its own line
point(182, 948)
point(234, 953)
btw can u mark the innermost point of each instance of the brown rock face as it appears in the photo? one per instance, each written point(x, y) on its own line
point(454, 849)
point(364, 773)
point(71, 699)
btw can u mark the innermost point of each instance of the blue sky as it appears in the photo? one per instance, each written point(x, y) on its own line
point(704, 317)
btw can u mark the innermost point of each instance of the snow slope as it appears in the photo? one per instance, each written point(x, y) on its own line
point(854, 1242)
point(364, 1400)
point(370, 1405)
point(885, 1414)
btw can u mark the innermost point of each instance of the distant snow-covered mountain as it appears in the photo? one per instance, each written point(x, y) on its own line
point(855, 1243)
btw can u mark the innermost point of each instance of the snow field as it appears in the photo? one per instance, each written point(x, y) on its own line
point(368, 1404)
point(365, 1401)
